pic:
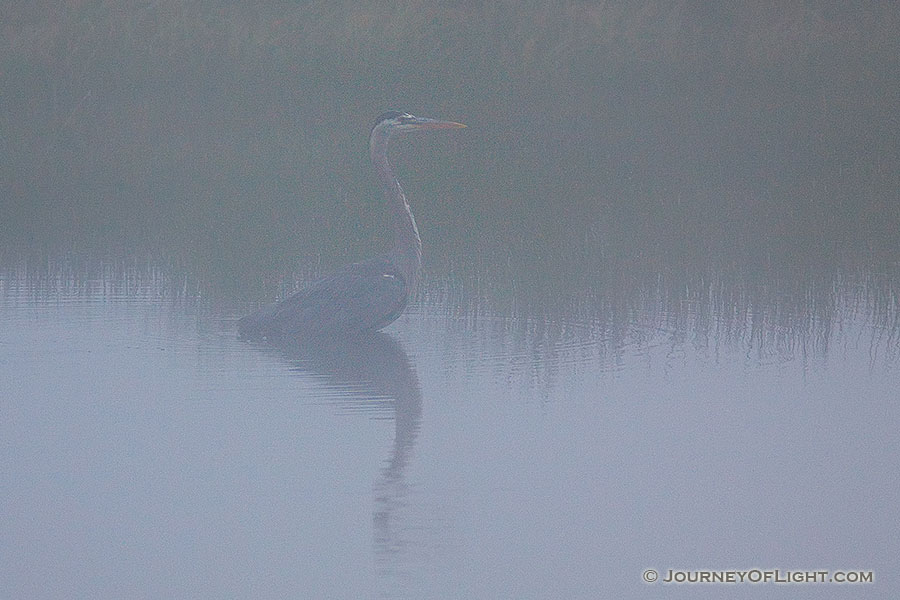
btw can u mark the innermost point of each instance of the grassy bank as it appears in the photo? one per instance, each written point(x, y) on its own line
point(234, 136)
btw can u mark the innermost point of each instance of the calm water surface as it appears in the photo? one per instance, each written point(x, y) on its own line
point(149, 453)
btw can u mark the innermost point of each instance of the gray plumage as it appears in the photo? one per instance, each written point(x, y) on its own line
point(364, 296)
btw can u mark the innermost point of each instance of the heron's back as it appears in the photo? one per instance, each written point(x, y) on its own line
point(363, 296)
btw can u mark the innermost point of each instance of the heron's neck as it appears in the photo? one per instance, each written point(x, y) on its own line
point(407, 243)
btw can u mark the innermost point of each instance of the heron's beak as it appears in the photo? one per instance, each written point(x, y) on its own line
point(425, 123)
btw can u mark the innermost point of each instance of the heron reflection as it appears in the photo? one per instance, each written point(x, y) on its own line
point(380, 379)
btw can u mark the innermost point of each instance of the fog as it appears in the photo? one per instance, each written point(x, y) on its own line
point(657, 326)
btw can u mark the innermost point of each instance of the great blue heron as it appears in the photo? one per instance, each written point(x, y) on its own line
point(364, 296)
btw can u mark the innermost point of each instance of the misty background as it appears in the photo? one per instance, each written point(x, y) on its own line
point(743, 158)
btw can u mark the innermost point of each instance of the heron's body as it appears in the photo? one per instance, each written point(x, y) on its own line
point(364, 296)
point(359, 297)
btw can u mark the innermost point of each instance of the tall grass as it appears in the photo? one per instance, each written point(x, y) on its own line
point(751, 134)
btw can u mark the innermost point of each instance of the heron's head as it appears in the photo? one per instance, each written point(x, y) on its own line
point(394, 121)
